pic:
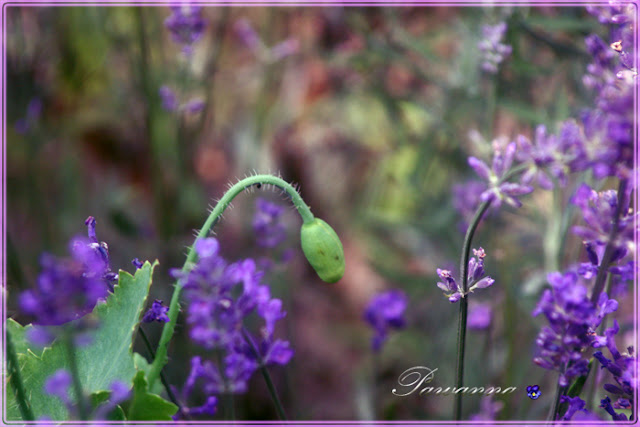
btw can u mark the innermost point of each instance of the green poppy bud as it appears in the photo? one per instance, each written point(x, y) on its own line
point(323, 249)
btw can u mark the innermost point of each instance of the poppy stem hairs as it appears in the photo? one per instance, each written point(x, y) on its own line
point(320, 244)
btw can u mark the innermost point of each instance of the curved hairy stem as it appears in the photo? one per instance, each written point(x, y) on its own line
point(161, 358)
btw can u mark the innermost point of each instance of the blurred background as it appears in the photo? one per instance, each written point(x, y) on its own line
point(371, 111)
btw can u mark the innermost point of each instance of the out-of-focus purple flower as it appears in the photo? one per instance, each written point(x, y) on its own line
point(58, 385)
point(476, 278)
point(194, 106)
point(492, 49)
point(498, 191)
point(247, 34)
point(186, 26)
point(488, 410)
point(479, 317)
point(466, 199)
point(34, 111)
point(169, 98)
point(157, 313)
point(220, 297)
point(283, 49)
point(250, 39)
point(208, 408)
point(70, 288)
point(268, 226)
point(137, 263)
point(575, 404)
point(385, 311)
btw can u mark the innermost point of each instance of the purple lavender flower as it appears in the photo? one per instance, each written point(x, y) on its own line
point(384, 312)
point(220, 297)
point(268, 226)
point(250, 39)
point(598, 211)
point(479, 317)
point(186, 26)
point(575, 404)
point(492, 49)
point(623, 369)
point(58, 385)
point(497, 191)
point(70, 288)
point(119, 392)
point(157, 313)
point(572, 319)
point(137, 263)
point(476, 278)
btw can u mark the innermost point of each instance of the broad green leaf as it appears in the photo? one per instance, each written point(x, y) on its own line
point(98, 398)
point(145, 406)
point(109, 357)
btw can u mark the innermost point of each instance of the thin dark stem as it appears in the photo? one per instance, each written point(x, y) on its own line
point(560, 391)
point(83, 411)
point(267, 377)
point(16, 381)
point(163, 379)
point(608, 252)
point(462, 318)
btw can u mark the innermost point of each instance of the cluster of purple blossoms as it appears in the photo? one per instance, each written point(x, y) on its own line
point(268, 226)
point(59, 384)
point(34, 111)
point(186, 26)
point(572, 319)
point(492, 49)
point(250, 39)
point(499, 191)
point(476, 278)
point(385, 311)
point(69, 288)
point(220, 297)
point(609, 127)
point(157, 313)
point(623, 369)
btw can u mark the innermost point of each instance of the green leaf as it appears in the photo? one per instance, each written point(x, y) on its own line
point(109, 357)
point(145, 406)
point(98, 398)
point(143, 365)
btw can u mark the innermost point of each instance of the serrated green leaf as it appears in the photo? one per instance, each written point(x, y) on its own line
point(145, 406)
point(109, 357)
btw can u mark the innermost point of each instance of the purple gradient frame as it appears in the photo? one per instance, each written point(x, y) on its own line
point(286, 3)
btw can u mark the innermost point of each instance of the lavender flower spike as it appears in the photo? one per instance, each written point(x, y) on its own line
point(157, 313)
point(500, 191)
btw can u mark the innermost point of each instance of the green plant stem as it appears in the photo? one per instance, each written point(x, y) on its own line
point(161, 358)
point(608, 252)
point(267, 377)
point(462, 318)
point(464, 268)
point(15, 376)
point(83, 410)
point(163, 379)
